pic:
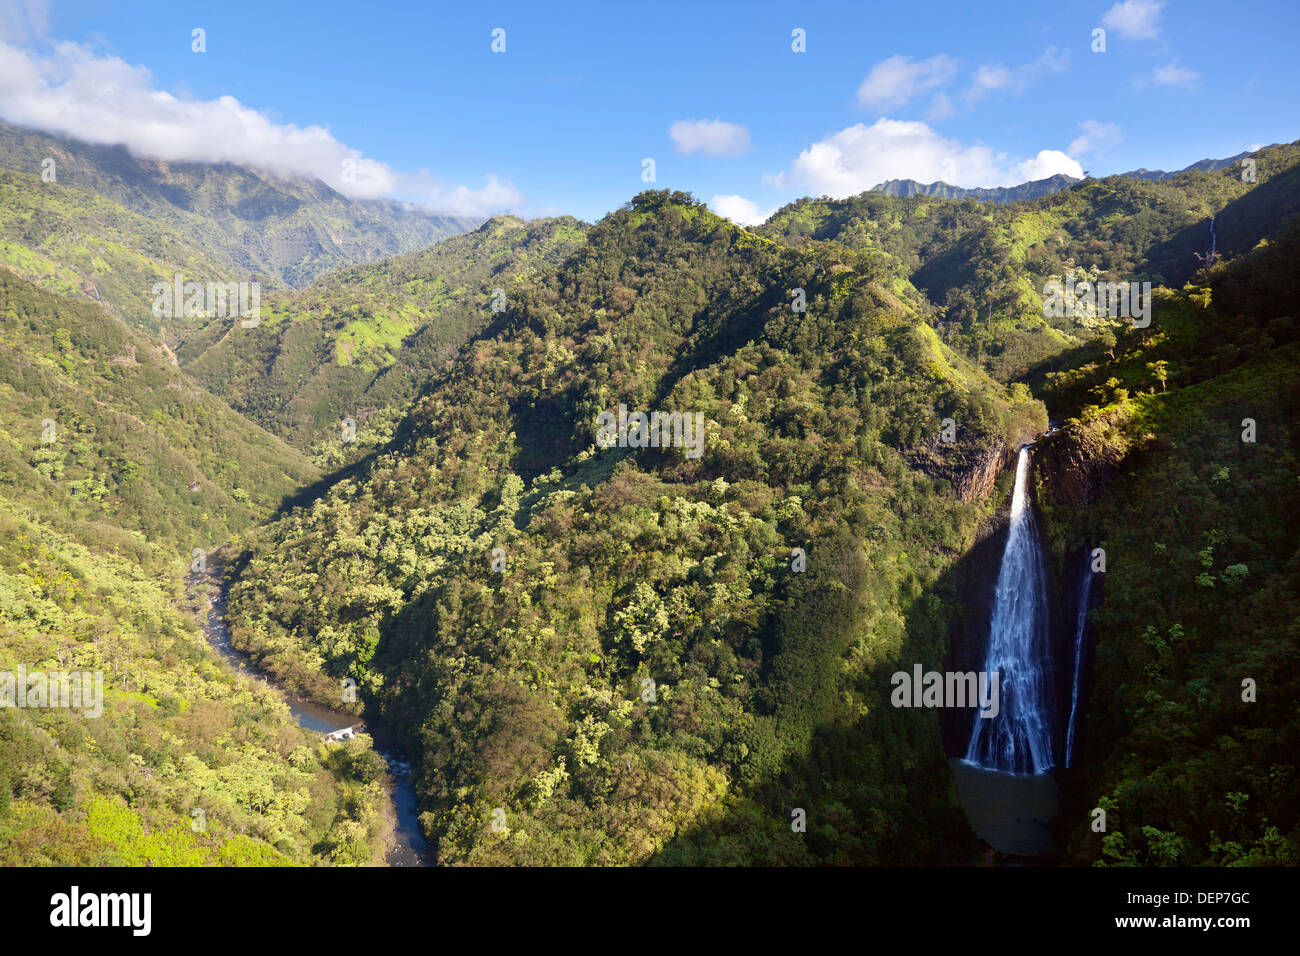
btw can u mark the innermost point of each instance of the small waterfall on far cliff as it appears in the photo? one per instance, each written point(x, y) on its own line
point(1085, 592)
point(1019, 738)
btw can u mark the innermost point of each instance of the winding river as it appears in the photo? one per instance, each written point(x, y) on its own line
point(410, 848)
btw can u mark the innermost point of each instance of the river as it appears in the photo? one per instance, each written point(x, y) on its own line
point(410, 848)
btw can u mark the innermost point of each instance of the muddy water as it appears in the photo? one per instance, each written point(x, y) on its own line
point(410, 849)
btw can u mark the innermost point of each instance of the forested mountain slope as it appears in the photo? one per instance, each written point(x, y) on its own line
point(100, 425)
point(984, 267)
point(114, 469)
point(360, 341)
point(647, 668)
point(72, 241)
point(1183, 462)
point(635, 654)
point(282, 230)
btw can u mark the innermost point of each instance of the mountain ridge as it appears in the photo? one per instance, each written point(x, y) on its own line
point(1041, 187)
point(905, 188)
point(282, 230)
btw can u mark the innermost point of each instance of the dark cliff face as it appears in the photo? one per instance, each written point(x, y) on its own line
point(974, 578)
point(1064, 602)
point(1074, 466)
point(971, 470)
point(977, 479)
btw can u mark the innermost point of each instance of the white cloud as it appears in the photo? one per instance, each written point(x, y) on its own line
point(738, 209)
point(899, 79)
point(941, 108)
point(103, 99)
point(994, 76)
point(495, 196)
point(1097, 137)
point(1174, 75)
point(1134, 19)
point(860, 157)
point(988, 78)
point(1048, 163)
point(710, 137)
point(23, 20)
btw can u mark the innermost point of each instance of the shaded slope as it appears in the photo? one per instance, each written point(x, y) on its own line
point(648, 655)
point(984, 267)
point(360, 341)
point(1200, 592)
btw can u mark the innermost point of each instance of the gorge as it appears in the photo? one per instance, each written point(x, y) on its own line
point(1006, 779)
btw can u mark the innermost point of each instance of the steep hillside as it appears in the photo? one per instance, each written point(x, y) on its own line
point(187, 765)
point(72, 241)
point(1182, 462)
point(114, 468)
point(97, 424)
point(359, 342)
point(612, 655)
point(985, 267)
point(282, 231)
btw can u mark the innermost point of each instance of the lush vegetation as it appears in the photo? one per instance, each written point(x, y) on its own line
point(361, 341)
point(188, 765)
point(281, 231)
point(984, 266)
point(631, 655)
point(1202, 586)
point(114, 467)
point(97, 425)
point(648, 675)
point(73, 242)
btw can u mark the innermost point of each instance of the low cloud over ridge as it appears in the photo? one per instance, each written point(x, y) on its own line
point(102, 99)
point(860, 157)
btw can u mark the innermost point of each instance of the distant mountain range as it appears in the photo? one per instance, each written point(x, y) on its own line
point(284, 231)
point(1204, 166)
point(1037, 188)
point(999, 194)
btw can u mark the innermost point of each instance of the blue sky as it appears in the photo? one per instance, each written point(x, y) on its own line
point(408, 99)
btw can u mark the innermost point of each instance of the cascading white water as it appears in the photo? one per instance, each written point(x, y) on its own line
point(1085, 592)
point(1019, 738)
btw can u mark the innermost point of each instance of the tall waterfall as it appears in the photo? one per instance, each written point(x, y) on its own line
point(1019, 738)
point(1085, 592)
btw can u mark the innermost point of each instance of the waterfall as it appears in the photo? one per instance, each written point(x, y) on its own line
point(1019, 738)
point(1085, 592)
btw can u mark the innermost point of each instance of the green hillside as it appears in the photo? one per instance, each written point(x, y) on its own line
point(74, 242)
point(984, 266)
point(1202, 587)
point(114, 468)
point(281, 230)
point(98, 425)
point(361, 341)
point(648, 676)
point(637, 653)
